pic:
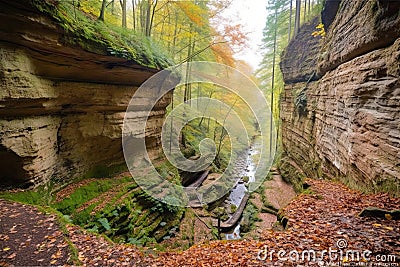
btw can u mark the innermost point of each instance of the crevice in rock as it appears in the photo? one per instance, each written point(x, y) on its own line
point(12, 170)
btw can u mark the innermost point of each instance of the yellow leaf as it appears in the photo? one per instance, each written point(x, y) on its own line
point(53, 262)
point(388, 216)
point(376, 224)
point(389, 228)
point(6, 249)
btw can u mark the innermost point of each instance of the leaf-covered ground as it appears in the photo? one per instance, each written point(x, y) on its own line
point(29, 237)
point(317, 221)
point(324, 219)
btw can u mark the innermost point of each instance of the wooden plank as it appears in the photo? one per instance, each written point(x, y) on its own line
point(232, 221)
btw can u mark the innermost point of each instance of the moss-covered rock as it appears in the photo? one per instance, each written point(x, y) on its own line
point(81, 29)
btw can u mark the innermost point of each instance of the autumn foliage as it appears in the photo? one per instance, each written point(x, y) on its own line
point(325, 213)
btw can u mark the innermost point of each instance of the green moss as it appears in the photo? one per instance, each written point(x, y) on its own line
point(249, 217)
point(86, 193)
point(383, 184)
point(83, 216)
point(168, 171)
point(28, 197)
point(95, 36)
point(105, 171)
point(233, 208)
point(41, 196)
point(291, 175)
point(136, 217)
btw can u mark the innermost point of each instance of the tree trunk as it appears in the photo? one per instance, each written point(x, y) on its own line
point(189, 55)
point(297, 17)
point(273, 80)
point(152, 18)
point(133, 15)
point(290, 19)
point(148, 15)
point(142, 16)
point(223, 134)
point(103, 9)
point(175, 35)
point(124, 13)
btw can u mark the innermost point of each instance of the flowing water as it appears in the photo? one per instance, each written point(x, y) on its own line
point(247, 165)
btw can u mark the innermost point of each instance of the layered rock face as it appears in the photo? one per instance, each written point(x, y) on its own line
point(62, 108)
point(345, 122)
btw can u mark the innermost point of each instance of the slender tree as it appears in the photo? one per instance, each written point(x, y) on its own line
point(124, 12)
point(290, 19)
point(102, 10)
point(273, 77)
point(297, 17)
point(133, 14)
point(223, 134)
point(153, 7)
point(148, 17)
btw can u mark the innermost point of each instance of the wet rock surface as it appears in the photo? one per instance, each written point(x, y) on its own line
point(350, 127)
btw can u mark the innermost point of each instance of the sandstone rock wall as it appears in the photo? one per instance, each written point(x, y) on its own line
point(62, 108)
point(350, 129)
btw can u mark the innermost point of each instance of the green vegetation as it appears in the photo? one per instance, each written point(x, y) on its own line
point(152, 33)
point(249, 217)
point(105, 171)
point(208, 127)
point(86, 193)
point(385, 184)
point(233, 208)
point(283, 22)
point(84, 30)
point(115, 207)
point(30, 197)
point(292, 175)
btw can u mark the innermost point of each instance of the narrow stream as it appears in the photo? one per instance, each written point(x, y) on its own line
point(248, 167)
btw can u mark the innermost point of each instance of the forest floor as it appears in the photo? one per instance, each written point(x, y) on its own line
point(324, 218)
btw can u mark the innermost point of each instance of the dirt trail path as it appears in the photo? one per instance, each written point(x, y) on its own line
point(29, 237)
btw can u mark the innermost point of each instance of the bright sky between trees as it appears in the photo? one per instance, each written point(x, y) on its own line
point(252, 15)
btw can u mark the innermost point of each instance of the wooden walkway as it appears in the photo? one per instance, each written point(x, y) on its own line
point(199, 180)
point(195, 203)
point(232, 221)
point(201, 176)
